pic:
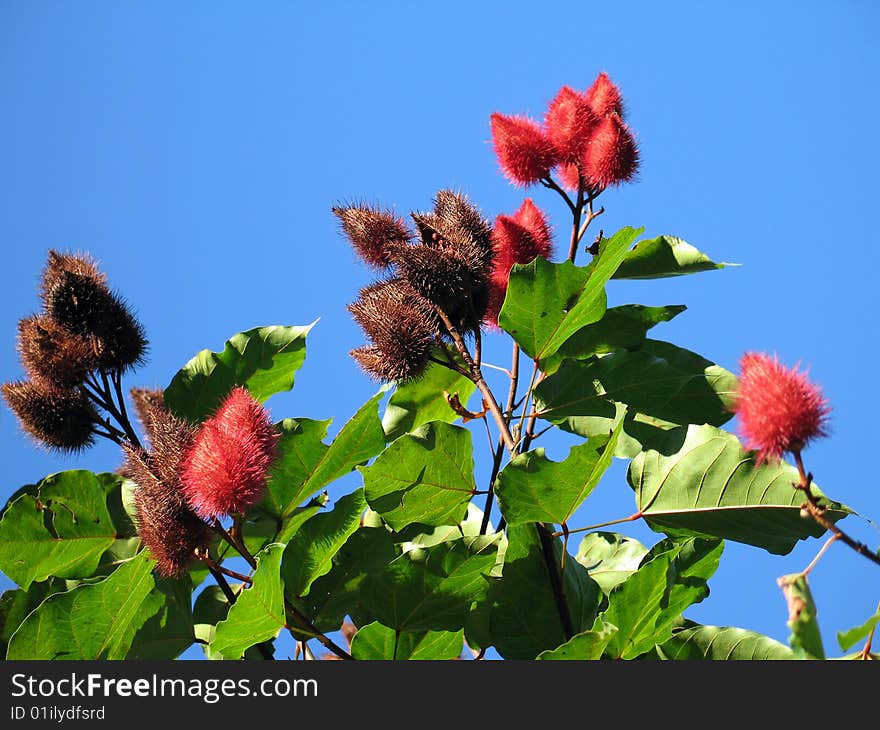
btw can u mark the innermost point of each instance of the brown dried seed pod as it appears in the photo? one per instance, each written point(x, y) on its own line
point(373, 232)
point(84, 306)
point(399, 366)
point(171, 535)
point(59, 418)
point(58, 264)
point(147, 403)
point(51, 353)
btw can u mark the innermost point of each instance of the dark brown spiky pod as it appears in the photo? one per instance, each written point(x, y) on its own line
point(402, 326)
point(60, 263)
point(84, 306)
point(59, 418)
point(51, 353)
point(374, 232)
point(170, 530)
point(148, 403)
point(464, 226)
point(451, 267)
point(172, 536)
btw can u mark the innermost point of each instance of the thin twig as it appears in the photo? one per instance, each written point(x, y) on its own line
point(310, 629)
point(817, 512)
point(549, 182)
point(556, 579)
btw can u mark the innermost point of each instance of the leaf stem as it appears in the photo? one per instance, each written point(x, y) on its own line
point(631, 518)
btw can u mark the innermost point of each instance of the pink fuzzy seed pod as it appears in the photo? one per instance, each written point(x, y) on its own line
point(779, 409)
point(612, 156)
point(524, 152)
point(570, 122)
point(225, 470)
point(604, 97)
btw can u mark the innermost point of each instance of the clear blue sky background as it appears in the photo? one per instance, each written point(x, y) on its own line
point(196, 149)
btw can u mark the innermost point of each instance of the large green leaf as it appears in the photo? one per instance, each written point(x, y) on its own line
point(310, 552)
point(623, 327)
point(168, 631)
point(259, 613)
point(17, 603)
point(431, 589)
point(547, 303)
point(338, 593)
point(663, 256)
point(264, 359)
point(646, 606)
point(846, 639)
point(375, 641)
point(659, 380)
point(524, 619)
point(584, 646)
point(531, 488)
point(805, 639)
point(722, 643)
point(60, 530)
point(92, 621)
point(713, 487)
point(306, 464)
point(420, 401)
point(425, 477)
point(610, 558)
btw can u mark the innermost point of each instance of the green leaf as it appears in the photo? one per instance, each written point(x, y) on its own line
point(17, 603)
point(92, 621)
point(338, 593)
point(375, 641)
point(805, 639)
point(429, 589)
point(646, 606)
point(421, 401)
point(547, 303)
point(660, 381)
point(531, 488)
point(61, 530)
point(584, 646)
point(259, 613)
point(846, 639)
point(524, 618)
point(713, 487)
point(264, 359)
point(723, 643)
point(306, 464)
point(623, 327)
point(310, 552)
point(425, 477)
point(610, 558)
point(663, 256)
point(168, 631)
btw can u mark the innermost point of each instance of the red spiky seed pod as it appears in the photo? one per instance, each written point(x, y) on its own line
point(61, 419)
point(570, 123)
point(779, 409)
point(226, 469)
point(604, 97)
point(373, 232)
point(570, 176)
point(525, 153)
point(519, 238)
point(612, 156)
point(497, 292)
point(51, 353)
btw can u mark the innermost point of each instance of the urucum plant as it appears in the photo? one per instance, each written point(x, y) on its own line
point(215, 527)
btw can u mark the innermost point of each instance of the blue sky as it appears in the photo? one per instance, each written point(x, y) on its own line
point(196, 149)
